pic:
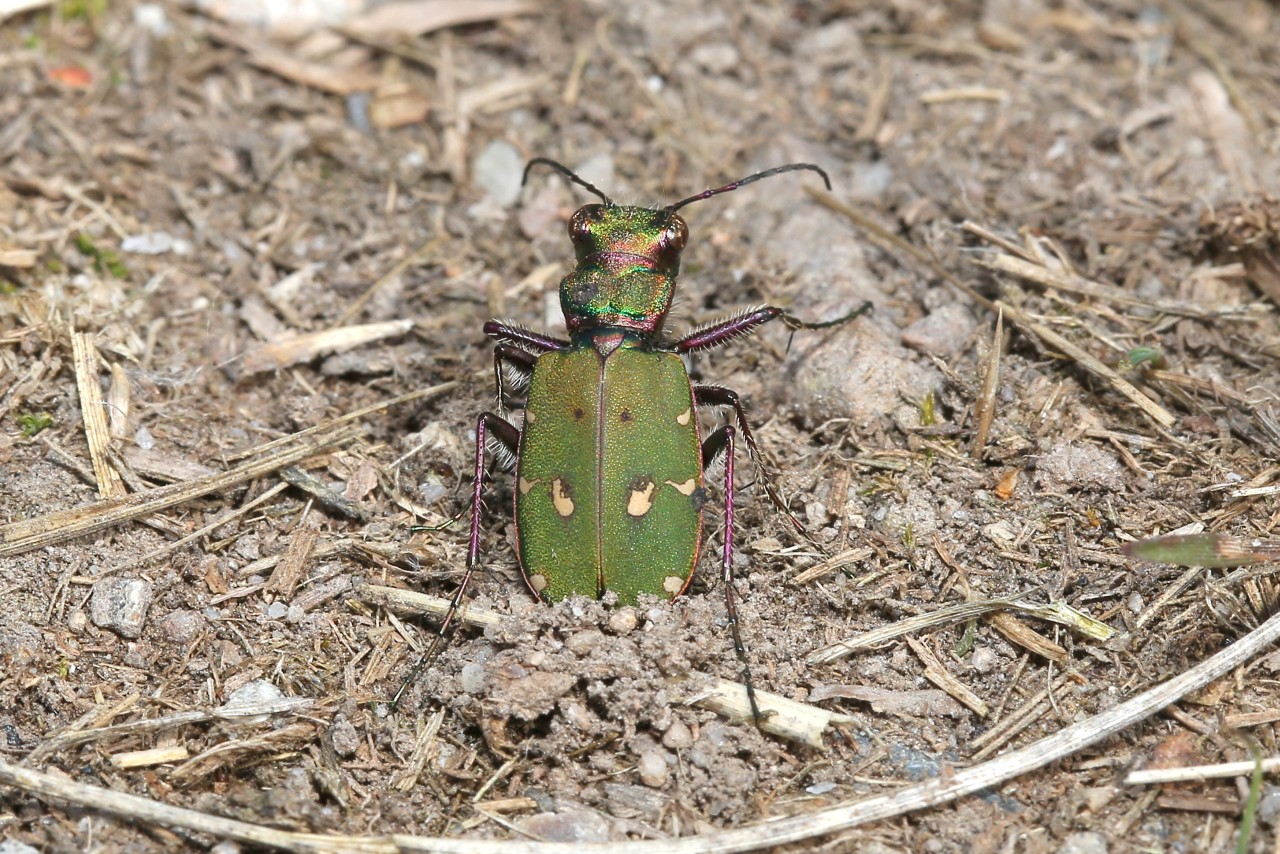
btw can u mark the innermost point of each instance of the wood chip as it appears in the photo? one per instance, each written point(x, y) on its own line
point(93, 411)
point(418, 17)
point(294, 563)
point(1020, 634)
point(153, 756)
point(784, 717)
point(937, 673)
point(304, 348)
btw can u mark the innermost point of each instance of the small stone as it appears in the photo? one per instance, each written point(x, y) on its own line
point(584, 642)
point(1269, 806)
point(862, 375)
point(150, 243)
point(1085, 842)
point(473, 678)
point(181, 627)
point(344, 737)
point(120, 604)
point(151, 17)
point(77, 622)
point(716, 57)
point(943, 332)
point(652, 766)
point(623, 621)
point(677, 736)
point(13, 846)
point(571, 825)
point(531, 696)
point(984, 660)
point(499, 169)
point(1070, 466)
point(277, 610)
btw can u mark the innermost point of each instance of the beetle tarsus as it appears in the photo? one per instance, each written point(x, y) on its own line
point(724, 439)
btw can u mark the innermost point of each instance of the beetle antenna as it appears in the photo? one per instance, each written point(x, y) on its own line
point(733, 185)
point(572, 176)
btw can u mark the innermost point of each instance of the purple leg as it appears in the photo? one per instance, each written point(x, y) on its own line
point(509, 437)
point(723, 440)
point(510, 333)
point(519, 361)
point(713, 395)
point(718, 333)
point(723, 331)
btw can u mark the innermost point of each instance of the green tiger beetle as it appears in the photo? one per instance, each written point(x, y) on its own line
point(609, 462)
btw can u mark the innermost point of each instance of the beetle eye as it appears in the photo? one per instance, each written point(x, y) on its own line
point(579, 225)
point(675, 235)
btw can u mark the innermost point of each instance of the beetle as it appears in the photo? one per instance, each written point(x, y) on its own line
point(609, 461)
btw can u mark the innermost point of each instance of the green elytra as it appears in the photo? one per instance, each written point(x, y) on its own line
point(609, 487)
point(609, 460)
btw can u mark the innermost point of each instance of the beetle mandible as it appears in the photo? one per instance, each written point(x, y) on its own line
point(609, 460)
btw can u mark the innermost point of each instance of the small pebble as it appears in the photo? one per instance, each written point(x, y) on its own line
point(820, 788)
point(150, 243)
point(499, 169)
point(584, 642)
point(943, 332)
point(653, 769)
point(1085, 842)
point(624, 621)
point(677, 737)
point(121, 604)
point(473, 678)
point(277, 609)
point(181, 627)
point(77, 622)
point(151, 17)
point(984, 660)
point(13, 846)
point(571, 825)
point(344, 737)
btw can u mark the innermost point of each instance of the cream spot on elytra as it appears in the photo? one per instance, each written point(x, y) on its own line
point(640, 497)
point(560, 497)
point(683, 418)
point(685, 488)
point(673, 584)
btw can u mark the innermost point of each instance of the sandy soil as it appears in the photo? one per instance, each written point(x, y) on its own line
point(181, 200)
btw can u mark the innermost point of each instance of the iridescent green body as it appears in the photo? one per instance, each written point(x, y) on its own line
point(609, 486)
point(609, 481)
point(628, 260)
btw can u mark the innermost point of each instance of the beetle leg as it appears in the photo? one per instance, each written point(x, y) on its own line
point(508, 437)
point(723, 440)
point(723, 331)
point(714, 395)
point(527, 339)
point(515, 380)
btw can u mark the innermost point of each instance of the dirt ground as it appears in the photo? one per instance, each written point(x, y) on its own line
point(182, 199)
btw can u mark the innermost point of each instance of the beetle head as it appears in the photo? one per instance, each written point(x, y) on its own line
point(627, 262)
point(629, 257)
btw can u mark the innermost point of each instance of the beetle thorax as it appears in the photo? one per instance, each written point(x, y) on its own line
point(627, 262)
